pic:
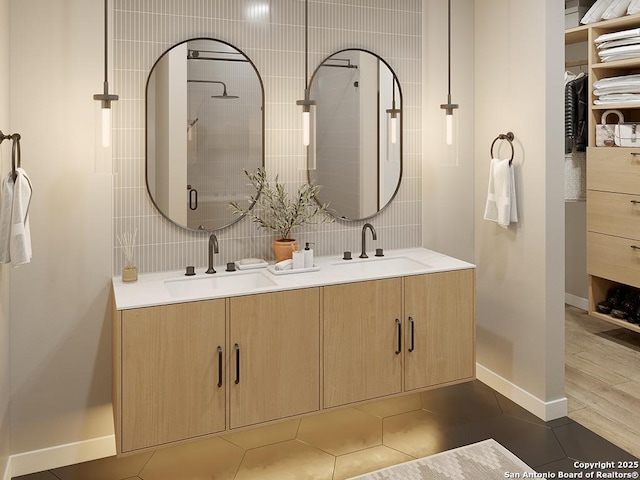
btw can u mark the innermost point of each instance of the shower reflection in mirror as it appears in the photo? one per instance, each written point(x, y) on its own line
point(205, 119)
point(354, 153)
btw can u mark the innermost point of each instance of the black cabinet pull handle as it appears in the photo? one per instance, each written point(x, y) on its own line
point(399, 326)
point(411, 322)
point(635, 247)
point(193, 199)
point(219, 366)
point(237, 348)
point(635, 154)
point(635, 202)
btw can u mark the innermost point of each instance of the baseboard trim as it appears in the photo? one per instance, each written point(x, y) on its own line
point(545, 410)
point(575, 301)
point(61, 456)
point(7, 470)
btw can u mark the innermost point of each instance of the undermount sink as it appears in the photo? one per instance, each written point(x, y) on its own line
point(217, 283)
point(381, 265)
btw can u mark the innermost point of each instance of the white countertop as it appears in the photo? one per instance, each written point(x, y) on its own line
point(163, 288)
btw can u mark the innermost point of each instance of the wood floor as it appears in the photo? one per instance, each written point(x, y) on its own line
point(602, 381)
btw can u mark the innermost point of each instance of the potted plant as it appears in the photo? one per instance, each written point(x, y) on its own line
point(274, 209)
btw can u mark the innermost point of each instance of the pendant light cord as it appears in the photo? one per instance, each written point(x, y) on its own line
point(306, 44)
point(105, 97)
point(307, 102)
point(106, 40)
point(449, 51)
point(449, 107)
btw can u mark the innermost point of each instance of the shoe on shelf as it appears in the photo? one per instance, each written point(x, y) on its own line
point(604, 307)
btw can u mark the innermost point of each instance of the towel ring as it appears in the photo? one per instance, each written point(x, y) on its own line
point(509, 138)
point(15, 151)
point(16, 161)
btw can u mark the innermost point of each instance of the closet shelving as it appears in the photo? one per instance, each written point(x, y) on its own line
point(613, 181)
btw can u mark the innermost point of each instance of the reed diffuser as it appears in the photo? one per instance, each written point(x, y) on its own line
point(127, 242)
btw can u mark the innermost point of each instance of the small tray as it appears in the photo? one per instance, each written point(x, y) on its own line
point(251, 266)
point(273, 270)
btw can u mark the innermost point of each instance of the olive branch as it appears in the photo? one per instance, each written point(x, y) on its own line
point(272, 208)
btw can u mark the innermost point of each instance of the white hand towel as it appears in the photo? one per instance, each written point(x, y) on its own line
point(6, 202)
point(501, 197)
point(15, 235)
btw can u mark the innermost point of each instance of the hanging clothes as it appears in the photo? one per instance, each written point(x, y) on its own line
point(575, 113)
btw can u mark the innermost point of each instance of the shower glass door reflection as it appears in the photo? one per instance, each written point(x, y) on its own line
point(224, 135)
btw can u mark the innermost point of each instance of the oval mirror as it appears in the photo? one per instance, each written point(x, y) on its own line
point(205, 123)
point(355, 152)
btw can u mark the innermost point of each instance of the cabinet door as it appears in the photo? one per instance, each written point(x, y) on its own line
point(440, 333)
point(274, 355)
point(171, 389)
point(361, 355)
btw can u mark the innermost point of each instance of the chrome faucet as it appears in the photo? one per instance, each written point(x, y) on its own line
point(213, 248)
point(364, 238)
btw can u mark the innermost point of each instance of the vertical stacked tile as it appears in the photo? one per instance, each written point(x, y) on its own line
point(144, 30)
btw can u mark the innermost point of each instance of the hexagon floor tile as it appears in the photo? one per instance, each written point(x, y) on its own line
point(422, 433)
point(291, 460)
point(104, 468)
point(343, 431)
point(210, 458)
point(364, 461)
point(261, 436)
point(392, 406)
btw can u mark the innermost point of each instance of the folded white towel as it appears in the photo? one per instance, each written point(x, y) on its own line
point(15, 234)
point(501, 197)
point(620, 80)
point(606, 37)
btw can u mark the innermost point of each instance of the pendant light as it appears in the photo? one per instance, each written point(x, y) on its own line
point(307, 102)
point(105, 97)
point(393, 116)
point(449, 107)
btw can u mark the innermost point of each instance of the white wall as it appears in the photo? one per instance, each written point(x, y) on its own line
point(60, 324)
point(448, 190)
point(5, 166)
point(520, 307)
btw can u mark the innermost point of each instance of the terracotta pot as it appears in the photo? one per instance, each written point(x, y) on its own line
point(283, 249)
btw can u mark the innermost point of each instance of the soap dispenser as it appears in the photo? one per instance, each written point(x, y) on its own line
point(308, 256)
point(298, 257)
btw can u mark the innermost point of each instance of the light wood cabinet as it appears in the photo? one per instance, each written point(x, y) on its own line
point(274, 356)
point(388, 336)
point(362, 359)
point(440, 330)
point(171, 373)
point(613, 180)
point(616, 214)
point(191, 370)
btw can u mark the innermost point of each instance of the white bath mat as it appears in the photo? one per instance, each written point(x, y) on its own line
point(486, 460)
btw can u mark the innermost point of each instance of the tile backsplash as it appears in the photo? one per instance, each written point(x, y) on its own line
point(271, 34)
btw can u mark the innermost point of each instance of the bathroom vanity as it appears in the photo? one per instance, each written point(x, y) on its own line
point(203, 355)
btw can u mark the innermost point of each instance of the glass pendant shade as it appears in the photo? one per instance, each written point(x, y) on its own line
point(306, 127)
point(106, 127)
point(393, 129)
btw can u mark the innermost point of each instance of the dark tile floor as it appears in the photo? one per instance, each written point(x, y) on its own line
point(457, 416)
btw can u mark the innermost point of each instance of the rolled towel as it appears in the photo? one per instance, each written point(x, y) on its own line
point(284, 265)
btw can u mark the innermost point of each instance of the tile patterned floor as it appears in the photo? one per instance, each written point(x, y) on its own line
point(349, 442)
